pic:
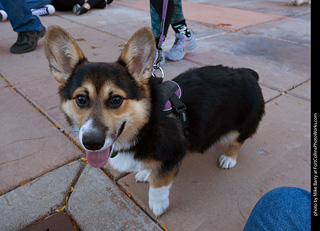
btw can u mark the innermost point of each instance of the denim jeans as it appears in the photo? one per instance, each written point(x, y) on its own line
point(285, 208)
point(20, 15)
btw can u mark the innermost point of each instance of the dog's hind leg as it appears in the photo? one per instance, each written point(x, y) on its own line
point(229, 159)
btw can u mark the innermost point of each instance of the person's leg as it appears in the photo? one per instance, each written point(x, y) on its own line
point(63, 5)
point(97, 4)
point(178, 21)
point(185, 40)
point(178, 13)
point(156, 11)
point(28, 26)
point(3, 14)
point(20, 16)
point(285, 208)
point(156, 17)
point(33, 4)
point(88, 5)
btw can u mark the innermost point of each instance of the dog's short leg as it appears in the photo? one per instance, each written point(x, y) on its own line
point(143, 175)
point(160, 184)
point(159, 199)
point(229, 160)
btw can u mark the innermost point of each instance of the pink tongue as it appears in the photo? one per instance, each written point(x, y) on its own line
point(98, 159)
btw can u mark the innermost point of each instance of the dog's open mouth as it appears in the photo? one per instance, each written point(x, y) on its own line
point(99, 158)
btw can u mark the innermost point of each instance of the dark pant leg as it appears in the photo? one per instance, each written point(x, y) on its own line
point(285, 208)
point(20, 16)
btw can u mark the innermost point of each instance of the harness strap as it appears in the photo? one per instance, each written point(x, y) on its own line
point(181, 109)
point(172, 93)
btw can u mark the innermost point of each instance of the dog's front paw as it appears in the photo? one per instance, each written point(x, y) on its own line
point(159, 199)
point(143, 175)
point(226, 162)
point(158, 206)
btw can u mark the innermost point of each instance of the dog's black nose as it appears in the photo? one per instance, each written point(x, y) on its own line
point(93, 141)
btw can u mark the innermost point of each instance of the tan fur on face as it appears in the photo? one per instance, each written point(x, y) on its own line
point(86, 87)
point(65, 57)
point(79, 116)
point(133, 112)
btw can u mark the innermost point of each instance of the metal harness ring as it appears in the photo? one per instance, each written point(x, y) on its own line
point(155, 68)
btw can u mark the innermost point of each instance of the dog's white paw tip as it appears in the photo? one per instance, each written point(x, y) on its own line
point(143, 175)
point(226, 162)
point(159, 199)
point(158, 208)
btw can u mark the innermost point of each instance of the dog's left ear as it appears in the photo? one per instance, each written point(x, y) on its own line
point(139, 54)
point(62, 53)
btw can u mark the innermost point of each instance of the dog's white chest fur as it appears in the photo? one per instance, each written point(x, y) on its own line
point(125, 162)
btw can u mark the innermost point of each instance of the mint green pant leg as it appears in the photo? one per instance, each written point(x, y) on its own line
point(155, 21)
point(177, 12)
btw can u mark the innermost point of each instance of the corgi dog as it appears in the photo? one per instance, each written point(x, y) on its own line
point(117, 110)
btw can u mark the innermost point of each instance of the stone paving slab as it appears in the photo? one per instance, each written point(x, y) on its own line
point(37, 199)
point(294, 29)
point(56, 222)
point(279, 7)
point(29, 144)
point(204, 197)
point(98, 204)
point(118, 21)
point(280, 64)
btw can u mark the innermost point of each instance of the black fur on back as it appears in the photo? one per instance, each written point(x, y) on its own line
point(219, 100)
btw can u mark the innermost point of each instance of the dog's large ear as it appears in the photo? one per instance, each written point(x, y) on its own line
point(62, 53)
point(139, 54)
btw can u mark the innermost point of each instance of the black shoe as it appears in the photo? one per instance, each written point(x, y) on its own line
point(27, 41)
point(77, 9)
point(109, 1)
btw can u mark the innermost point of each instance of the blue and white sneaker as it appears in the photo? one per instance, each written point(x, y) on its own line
point(181, 46)
point(3, 15)
point(42, 11)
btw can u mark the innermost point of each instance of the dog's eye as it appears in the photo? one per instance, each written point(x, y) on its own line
point(81, 100)
point(115, 101)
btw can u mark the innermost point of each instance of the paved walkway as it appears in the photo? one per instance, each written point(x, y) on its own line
point(40, 166)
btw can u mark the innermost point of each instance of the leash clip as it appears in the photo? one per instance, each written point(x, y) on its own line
point(156, 65)
point(154, 72)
